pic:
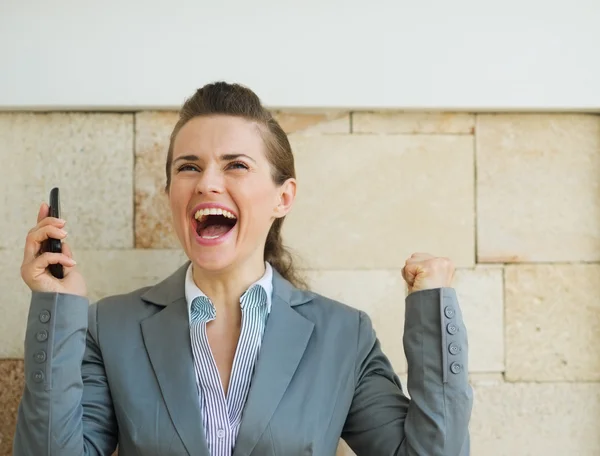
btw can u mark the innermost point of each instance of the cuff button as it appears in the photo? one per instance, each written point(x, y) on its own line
point(454, 349)
point(38, 376)
point(44, 316)
point(455, 368)
point(452, 328)
point(42, 336)
point(40, 356)
point(449, 312)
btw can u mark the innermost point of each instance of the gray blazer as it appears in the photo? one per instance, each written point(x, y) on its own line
point(121, 371)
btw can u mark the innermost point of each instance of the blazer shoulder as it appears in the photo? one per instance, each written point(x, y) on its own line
point(323, 310)
point(123, 306)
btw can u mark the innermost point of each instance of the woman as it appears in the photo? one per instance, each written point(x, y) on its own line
point(230, 354)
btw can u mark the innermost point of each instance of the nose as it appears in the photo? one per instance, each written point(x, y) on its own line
point(210, 180)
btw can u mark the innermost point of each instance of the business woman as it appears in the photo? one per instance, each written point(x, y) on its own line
point(231, 354)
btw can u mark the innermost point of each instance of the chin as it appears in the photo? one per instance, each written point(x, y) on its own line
point(211, 261)
point(214, 255)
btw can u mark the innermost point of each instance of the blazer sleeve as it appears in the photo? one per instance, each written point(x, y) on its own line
point(66, 408)
point(434, 421)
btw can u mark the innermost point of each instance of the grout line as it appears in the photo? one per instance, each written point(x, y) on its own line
point(458, 268)
point(408, 133)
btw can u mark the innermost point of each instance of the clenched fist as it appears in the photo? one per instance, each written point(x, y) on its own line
point(424, 272)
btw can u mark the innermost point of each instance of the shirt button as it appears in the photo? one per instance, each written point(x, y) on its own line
point(38, 376)
point(42, 335)
point(452, 328)
point(455, 368)
point(220, 433)
point(44, 316)
point(454, 349)
point(40, 356)
point(449, 312)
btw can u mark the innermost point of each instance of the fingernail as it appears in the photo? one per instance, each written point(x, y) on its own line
point(62, 220)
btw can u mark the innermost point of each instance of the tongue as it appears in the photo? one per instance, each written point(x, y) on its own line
point(214, 231)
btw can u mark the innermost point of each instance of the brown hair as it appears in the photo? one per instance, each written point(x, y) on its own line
point(221, 98)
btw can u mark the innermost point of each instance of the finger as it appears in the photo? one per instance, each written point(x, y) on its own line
point(43, 212)
point(421, 256)
point(33, 242)
point(408, 283)
point(409, 274)
point(42, 262)
point(60, 223)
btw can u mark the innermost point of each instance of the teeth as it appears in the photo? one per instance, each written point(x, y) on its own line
point(213, 211)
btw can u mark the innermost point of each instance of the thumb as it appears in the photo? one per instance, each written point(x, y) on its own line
point(67, 250)
point(409, 273)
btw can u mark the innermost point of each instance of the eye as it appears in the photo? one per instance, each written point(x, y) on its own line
point(238, 165)
point(187, 168)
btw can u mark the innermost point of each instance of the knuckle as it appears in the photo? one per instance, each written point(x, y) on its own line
point(446, 261)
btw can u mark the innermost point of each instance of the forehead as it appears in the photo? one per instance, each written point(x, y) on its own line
point(215, 135)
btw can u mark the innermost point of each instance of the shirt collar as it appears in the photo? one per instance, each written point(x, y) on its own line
point(192, 291)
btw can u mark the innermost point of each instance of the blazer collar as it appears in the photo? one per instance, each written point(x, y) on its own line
point(167, 339)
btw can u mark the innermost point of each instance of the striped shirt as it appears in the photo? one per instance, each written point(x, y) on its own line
point(222, 414)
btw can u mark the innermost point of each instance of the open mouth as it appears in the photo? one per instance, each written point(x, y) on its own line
point(212, 223)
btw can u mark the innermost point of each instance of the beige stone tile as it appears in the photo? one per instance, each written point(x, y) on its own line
point(381, 294)
point(11, 388)
point(115, 272)
point(88, 156)
point(313, 123)
point(369, 202)
point(480, 294)
point(378, 293)
point(152, 214)
point(106, 273)
point(538, 182)
point(413, 122)
point(486, 378)
point(535, 419)
point(552, 322)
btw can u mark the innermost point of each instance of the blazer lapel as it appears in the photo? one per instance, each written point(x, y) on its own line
point(285, 339)
point(167, 338)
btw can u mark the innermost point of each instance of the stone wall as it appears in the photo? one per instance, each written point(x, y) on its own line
point(513, 199)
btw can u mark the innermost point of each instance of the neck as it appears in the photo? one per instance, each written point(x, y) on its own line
point(224, 288)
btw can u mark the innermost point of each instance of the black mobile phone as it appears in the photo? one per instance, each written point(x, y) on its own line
point(54, 245)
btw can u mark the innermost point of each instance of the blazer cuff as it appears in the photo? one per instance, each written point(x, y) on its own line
point(54, 319)
point(435, 335)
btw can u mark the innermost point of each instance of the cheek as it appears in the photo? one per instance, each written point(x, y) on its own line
point(259, 201)
point(178, 200)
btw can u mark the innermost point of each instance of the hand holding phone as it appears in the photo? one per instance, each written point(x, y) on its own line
point(48, 265)
point(54, 245)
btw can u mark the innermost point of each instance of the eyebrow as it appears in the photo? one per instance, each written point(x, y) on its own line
point(225, 157)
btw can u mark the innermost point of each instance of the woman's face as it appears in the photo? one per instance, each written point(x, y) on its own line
point(222, 195)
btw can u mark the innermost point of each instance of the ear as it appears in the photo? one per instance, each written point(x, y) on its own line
point(287, 196)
